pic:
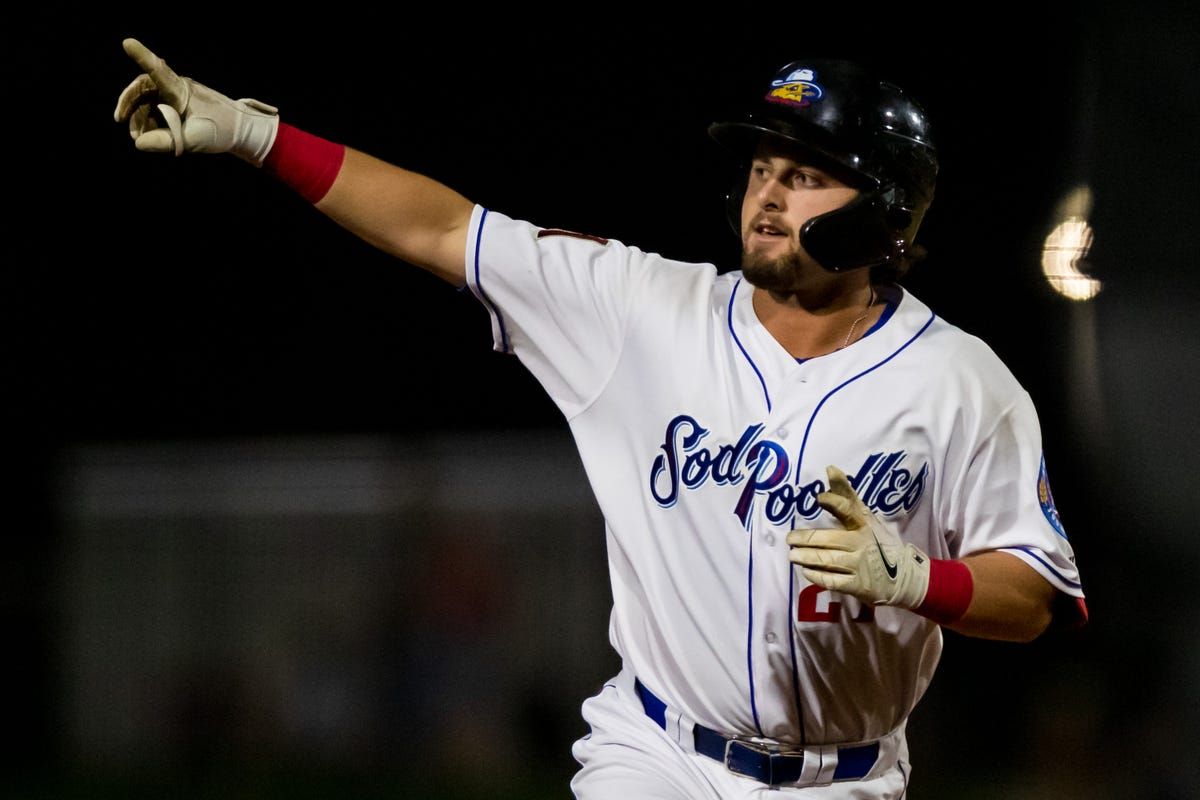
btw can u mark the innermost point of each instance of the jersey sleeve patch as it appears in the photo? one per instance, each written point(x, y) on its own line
point(1047, 500)
point(563, 232)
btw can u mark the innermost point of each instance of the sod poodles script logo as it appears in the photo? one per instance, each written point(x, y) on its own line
point(884, 481)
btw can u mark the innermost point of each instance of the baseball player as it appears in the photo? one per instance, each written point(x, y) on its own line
point(805, 473)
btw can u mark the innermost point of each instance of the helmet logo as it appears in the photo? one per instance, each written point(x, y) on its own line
point(797, 88)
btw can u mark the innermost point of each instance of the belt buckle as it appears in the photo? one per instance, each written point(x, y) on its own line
point(767, 756)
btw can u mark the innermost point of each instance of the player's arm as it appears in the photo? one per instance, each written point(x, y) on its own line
point(403, 213)
point(1009, 599)
point(992, 595)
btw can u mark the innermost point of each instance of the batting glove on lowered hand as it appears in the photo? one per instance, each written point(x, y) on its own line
point(865, 559)
point(197, 119)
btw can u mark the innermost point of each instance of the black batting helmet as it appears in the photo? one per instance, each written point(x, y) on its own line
point(863, 131)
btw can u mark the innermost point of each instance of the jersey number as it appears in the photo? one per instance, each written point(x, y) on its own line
point(816, 604)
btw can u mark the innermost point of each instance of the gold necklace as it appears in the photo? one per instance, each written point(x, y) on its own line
point(854, 324)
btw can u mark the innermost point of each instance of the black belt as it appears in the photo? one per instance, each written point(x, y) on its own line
point(763, 761)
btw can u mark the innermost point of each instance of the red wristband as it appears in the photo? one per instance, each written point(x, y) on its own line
point(949, 592)
point(307, 163)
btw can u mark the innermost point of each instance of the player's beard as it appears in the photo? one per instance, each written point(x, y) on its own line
point(779, 274)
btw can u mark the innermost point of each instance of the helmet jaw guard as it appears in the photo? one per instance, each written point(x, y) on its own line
point(868, 134)
point(854, 236)
point(868, 231)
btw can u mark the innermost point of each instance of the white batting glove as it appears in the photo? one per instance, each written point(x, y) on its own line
point(866, 559)
point(197, 118)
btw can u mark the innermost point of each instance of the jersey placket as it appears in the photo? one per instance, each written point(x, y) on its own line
point(771, 584)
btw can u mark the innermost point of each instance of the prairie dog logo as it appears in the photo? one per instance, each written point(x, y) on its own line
point(798, 88)
point(883, 480)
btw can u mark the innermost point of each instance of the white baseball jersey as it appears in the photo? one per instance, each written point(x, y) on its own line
point(706, 442)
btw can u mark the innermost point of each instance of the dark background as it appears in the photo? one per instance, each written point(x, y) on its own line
point(161, 302)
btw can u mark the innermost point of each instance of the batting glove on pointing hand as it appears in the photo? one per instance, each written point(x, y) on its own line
point(866, 559)
point(198, 119)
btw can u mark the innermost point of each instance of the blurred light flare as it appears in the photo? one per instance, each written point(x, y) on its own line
point(1067, 245)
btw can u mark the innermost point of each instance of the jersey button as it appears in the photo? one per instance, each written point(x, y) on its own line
point(769, 539)
point(770, 637)
point(782, 433)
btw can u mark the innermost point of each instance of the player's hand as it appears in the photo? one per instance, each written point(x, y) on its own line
point(190, 116)
point(866, 559)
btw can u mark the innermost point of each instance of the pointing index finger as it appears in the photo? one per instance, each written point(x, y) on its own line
point(841, 500)
point(845, 511)
point(170, 86)
point(839, 483)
